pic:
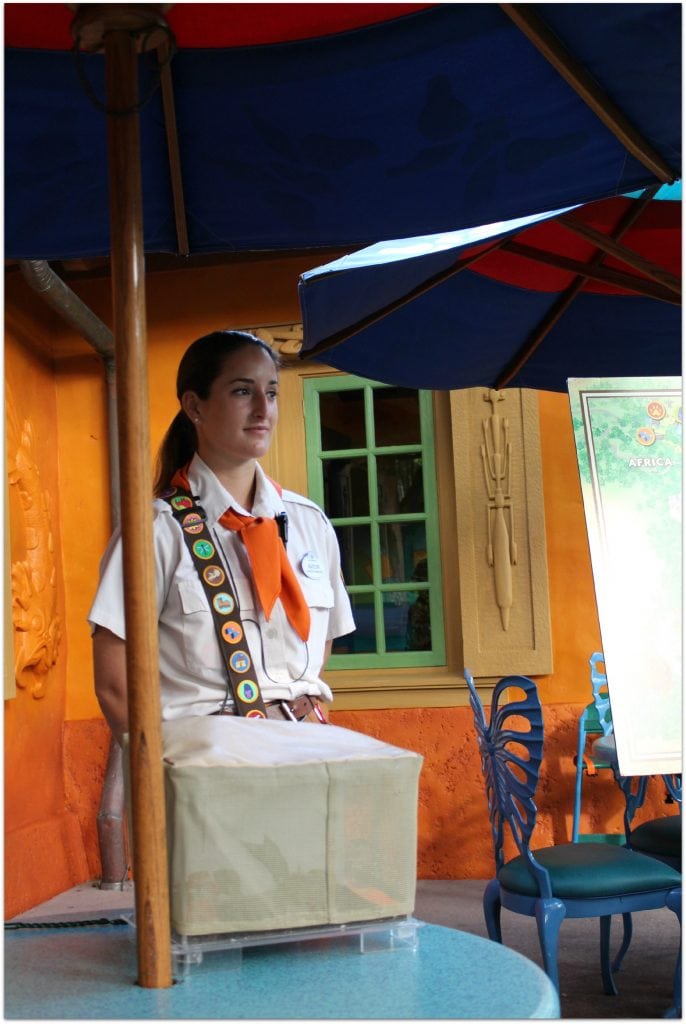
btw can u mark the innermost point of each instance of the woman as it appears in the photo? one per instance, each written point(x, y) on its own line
point(290, 606)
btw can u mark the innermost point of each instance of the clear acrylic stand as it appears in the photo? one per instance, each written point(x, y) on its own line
point(367, 936)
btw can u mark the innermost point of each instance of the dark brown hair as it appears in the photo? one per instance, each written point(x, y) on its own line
point(200, 365)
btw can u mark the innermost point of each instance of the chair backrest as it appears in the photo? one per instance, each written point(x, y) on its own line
point(511, 754)
point(601, 694)
point(635, 788)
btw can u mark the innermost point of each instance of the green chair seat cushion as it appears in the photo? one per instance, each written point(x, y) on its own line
point(589, 870)
point(661, 835)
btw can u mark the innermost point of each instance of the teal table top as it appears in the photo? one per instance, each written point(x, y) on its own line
point(90, 973)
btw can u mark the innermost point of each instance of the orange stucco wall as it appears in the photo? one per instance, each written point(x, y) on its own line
point(42, 832)
point(56, 747)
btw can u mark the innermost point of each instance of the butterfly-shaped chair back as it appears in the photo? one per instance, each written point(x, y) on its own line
point(511, 748)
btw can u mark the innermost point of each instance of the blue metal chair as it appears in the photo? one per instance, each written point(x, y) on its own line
point(566, 880)
point(595, 720)
point(658, 837)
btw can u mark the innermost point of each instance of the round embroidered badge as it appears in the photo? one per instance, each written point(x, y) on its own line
point(255, 713)
point(247, 691)
point(192, 523)
point(181, 502)
point(203, 549)
point(213, 576)
point(232, 632)
point(224, 603)
point(239, 661)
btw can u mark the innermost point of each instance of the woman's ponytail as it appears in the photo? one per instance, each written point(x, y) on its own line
point(177, 449)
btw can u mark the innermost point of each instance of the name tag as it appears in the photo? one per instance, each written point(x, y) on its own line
point(311, 566)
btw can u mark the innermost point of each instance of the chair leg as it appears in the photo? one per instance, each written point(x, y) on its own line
point(492, 907)
point(674, 903)
point(549, 916)
point(577, 789)
point(626, 942)
point(609, 986)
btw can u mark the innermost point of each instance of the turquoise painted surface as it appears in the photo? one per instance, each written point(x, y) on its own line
point(89, 973)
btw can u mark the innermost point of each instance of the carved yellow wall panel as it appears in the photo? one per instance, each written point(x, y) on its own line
point(37, 625)
point(501, 532)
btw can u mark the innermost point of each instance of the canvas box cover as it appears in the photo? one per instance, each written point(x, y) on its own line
point(276, 825)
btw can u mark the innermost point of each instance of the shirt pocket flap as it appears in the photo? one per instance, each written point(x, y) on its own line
point(317, 593)
point(192, 597)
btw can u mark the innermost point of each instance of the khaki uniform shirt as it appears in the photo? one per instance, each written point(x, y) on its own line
point(193, 678)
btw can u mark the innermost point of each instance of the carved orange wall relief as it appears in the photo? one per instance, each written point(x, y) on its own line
point(496, 456)
point(37, 626)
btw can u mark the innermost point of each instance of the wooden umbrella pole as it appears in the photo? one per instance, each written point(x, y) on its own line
point(145, 744)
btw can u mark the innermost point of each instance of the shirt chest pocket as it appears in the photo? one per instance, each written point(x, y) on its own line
point(192, 598)
point(198, 636)
point(317, 593)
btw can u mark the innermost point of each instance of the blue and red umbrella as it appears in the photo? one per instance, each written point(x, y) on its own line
point(337, 125)
point(587, 292)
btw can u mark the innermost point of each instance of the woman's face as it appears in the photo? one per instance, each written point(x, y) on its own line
point(234, 424)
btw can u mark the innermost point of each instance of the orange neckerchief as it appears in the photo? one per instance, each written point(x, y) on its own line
point(273, 574)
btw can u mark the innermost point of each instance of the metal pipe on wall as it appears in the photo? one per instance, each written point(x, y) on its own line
point(40, 276)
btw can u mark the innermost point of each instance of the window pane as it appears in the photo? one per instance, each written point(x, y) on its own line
point(419, 622)
point(400, 483)
point(403, 547)
point(387, 535)
point(342, 420)
point(363, 640)
point(356, 554)
point(396, 416)
point(395, 609)
point(346, 488)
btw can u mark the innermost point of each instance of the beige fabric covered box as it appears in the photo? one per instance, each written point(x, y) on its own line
point(277, 825)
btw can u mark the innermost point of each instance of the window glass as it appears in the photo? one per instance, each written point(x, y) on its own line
point(403, 547)
point(371, 466)
point(356, 554)
point(341, 415)
point(346, 488)
point(363, 640)
point(396, 417)
point(400, 483)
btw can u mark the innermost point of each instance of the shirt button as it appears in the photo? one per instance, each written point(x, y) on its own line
point(271, 633)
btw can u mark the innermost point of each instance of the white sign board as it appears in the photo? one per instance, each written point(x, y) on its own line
point(628, 434)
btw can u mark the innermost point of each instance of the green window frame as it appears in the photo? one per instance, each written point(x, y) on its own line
point(381, 594)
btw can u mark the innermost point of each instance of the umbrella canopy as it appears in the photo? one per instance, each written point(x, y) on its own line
point(311, 125)
point(590, 292)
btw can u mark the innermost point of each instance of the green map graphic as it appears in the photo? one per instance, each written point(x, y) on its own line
point(628, 434)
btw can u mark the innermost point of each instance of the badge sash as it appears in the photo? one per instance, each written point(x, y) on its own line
point(222, 601)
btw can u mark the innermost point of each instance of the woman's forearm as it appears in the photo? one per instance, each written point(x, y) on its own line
point(109, 662)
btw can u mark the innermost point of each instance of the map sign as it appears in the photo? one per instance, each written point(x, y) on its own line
point(628, 434)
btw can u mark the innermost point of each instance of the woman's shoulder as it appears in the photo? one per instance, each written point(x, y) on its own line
point(164, 523)
point(300, 502)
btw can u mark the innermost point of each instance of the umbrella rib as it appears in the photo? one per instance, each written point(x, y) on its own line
point(596, 273)
point(347, 332)
point(586, 87)
point(620, 252)
point(164, 59)
point(564, 301)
